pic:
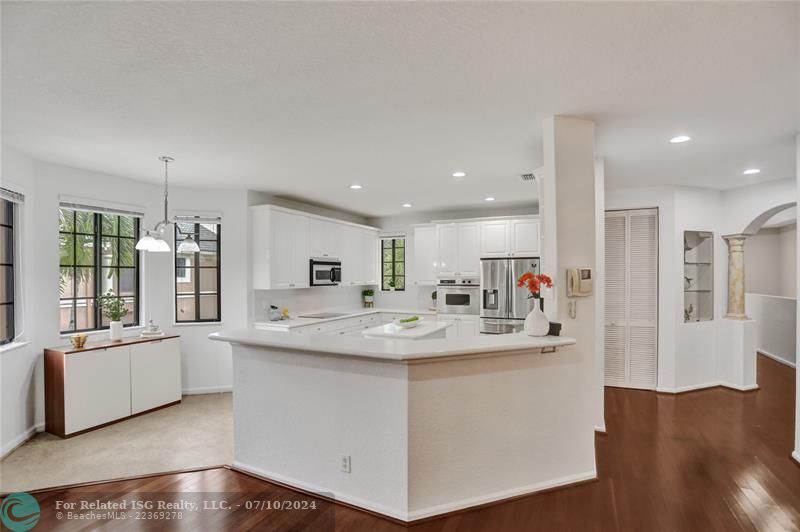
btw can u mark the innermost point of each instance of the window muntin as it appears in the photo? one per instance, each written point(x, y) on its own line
point(393, 264)
point(197, 275)
point(7, 259)
point(97, 253)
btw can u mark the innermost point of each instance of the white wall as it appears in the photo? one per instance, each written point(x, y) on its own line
point(206, 365)
point(788, 273)
point(775, 320)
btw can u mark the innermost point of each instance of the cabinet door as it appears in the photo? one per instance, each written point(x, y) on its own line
point(325, 238)
point(299, 265)
point(452, 331)
point(97, 388)
point(426, 252)
point(469, 258)
point(369, 250)
point(525, 238)
point(494, 239)
point(352, 266)
point(468, 326)
point(281, 251)
point(155, 374)
point(448, 249)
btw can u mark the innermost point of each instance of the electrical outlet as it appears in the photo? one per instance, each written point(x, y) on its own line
point(344, 463)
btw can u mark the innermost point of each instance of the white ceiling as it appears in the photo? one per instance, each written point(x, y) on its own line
point(303, 99)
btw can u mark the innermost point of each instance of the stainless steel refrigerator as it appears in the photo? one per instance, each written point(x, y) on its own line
point(503, 305)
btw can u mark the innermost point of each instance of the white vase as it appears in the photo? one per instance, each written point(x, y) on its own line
point(536, 324)
point(115, 331)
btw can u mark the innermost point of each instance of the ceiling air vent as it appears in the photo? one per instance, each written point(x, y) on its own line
point(527, 177)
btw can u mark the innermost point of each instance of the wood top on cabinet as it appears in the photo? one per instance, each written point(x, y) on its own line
point(106, 344)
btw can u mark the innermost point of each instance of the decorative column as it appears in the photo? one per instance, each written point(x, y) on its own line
point(735, 277)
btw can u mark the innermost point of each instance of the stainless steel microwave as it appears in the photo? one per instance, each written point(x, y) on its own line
point(325, 272)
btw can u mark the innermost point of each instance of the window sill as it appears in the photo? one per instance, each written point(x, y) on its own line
point(198, 324)
point(105, 331)
point(13, 346)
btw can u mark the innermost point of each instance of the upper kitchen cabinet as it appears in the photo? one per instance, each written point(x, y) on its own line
point(327, 238)
point(525, 238)
point(280, 248)
point(284, 240)
point(426, 255)
point(510, 238)
point(459, 250)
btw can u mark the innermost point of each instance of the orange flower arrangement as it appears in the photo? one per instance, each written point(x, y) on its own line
point(534, 283)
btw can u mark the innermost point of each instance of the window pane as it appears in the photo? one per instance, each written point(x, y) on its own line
point(127, 251)
point(110, 226)
point(67, 317)
point(108, 252)
point(185, 308)
point(386, 282)
point(127, 226)
point(6, 212)
point(387, 244)
point(66, 220)
point(399, 283)
point(85, 280)
point(208, 231)
point(65, 282)
point(66, 249)
point(208, 280)
point(400, 243)
point(184, 230)
point(387, 255)
point(84, 314)
point(6, 284)
point(387, 268)
point(84, 250)
point(400, 268)
point(84, 222)
point(208, 307)
point(109, 281)
point(130, 317)
point(127, 281)
point(400, 255)
point(6, 323)
point(208, 253)
point(6, 245)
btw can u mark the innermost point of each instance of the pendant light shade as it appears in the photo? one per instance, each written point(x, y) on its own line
point(152, 241)
point(188, 245)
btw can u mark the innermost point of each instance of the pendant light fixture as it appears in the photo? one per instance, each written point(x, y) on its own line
point(153, 239)
point(188, 245)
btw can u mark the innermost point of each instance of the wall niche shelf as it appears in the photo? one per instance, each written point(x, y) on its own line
point(698, 276)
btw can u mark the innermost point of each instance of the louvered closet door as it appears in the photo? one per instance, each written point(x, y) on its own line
point(631, 298)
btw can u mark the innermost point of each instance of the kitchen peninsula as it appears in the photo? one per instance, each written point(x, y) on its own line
point(411, 429)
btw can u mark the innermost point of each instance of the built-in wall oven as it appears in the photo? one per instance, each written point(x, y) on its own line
point(458, 296)
point(325, 272)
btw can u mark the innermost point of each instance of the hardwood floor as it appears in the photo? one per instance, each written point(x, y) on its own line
point(708, 460)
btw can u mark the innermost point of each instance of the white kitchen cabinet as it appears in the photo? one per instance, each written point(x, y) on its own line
point(462, 325)
point(280, 248)
point(368, 256)
point(326, 238)
point(525, 239)
point(426, 255)
point(459, 249)
point(448, 249)
point(494, 238)
point(469, 258)
point(97, 388)
point(155, 374)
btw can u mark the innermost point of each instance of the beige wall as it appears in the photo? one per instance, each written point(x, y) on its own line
point(770, 262)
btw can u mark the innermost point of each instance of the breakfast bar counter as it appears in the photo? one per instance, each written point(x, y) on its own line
point(412, 428)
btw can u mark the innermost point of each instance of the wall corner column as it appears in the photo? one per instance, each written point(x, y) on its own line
point(736, 290)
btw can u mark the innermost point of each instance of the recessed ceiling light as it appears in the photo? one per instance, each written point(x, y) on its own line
point(752, 171)
point(680, 138)
point(490, 198)
point(355, 187)
point(407, 205)
point(459, 174)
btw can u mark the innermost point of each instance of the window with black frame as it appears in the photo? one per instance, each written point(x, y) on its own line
point(393, 264)
point(6, 271)
point(97, 256)
point(197, 274)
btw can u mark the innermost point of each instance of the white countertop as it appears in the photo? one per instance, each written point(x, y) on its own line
point(392, 349)
point(349, 313)
point(420, 332)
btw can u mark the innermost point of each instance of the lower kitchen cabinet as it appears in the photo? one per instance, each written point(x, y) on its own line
point(463, 325)
point(106, 382)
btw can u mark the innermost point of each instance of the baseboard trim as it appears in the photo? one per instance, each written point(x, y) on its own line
point(601, 429)
point(707, 386)
point(21, 439)
point(417, 515)
point(206, 390)
point(796, 456)
point(776, 358)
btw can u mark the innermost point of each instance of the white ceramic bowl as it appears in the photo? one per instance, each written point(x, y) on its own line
point(408, 325)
